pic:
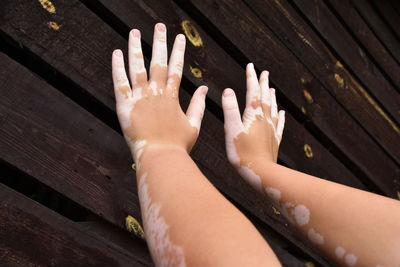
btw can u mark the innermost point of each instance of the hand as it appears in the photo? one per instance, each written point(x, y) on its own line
point(259, 135)
point(149, 112)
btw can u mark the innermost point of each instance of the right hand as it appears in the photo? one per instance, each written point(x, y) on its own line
point(258, 135)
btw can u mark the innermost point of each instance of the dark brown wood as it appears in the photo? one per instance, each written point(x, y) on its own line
point(389, 15)
point(375, 114)
point(32, 235)
point(49, 137)
point(359, 28)
point(266, 51)
point(378, 27)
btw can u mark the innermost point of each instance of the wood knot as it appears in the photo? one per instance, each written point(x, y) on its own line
point(191, 33)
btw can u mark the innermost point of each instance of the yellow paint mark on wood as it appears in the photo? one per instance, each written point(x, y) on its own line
point(339, 79)
point(398, 194)
point(134, 166)
point(308, 151)
point(377, 107)
point(308, 96)
point(339, 65)
point(302, 80)
point(303, 109)
point(46, 4)
point(277, 212)
point(191, 33)
point(309, 264)
point(133, 226)
point(54, 25)
point(196, 72)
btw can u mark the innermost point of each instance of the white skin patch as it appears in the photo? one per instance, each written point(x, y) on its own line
point(284, 212)
point(315, 237)
point(339, 252)
point(125, 106)
point(153, 87)
point(350, 259)
point(301, 214)
point(138, 147)
point(253, 179)
point(163, 252)
point(274, 195)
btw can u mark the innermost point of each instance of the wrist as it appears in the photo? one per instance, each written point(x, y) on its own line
point(142, 147)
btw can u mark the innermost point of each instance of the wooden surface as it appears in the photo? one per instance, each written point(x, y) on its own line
point(335, 65)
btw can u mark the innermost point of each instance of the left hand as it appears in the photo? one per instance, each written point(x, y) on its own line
point(149, 112)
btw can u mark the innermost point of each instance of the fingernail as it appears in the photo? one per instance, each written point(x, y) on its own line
point(251, 66)
point(228, 92)
point(181, 37)
point(161, 27)
point(205, 90)
point(135, 33)
point(273, 90)
point(118, 53)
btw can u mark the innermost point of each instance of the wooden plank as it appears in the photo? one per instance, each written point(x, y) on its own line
point(30, 153)
point(378, 27)
point(326, 114)
point(373, 114)
point(359, 28)
point(389, 15)
point(32, 235)
point(51, 138)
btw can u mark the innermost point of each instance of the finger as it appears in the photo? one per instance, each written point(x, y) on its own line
point(158, 65)
point(175, 66)
point(281, 125)
point(122, 89)
point(253, 96)
point(232, 121)
point(137, 70)
point(196, 107)
point(265, 94)
point(274, 108)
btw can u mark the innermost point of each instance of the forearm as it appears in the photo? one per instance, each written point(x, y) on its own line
point(349, 225)
point(187, 220)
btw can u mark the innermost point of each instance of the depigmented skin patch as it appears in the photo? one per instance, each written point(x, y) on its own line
point(301, 215)
point(350, 259)
point(54, 25)
point(339, 252)
point(191, 33)
point(308, 151)
point(133, 226)
point(196, 72)
point(46, 4)
point(315, 237)
point(164, 251)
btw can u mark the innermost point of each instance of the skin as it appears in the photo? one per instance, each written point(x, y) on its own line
point(186, 220)
point(351, 226)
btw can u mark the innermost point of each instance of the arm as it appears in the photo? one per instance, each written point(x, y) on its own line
point(186, 220)
point(351, 226)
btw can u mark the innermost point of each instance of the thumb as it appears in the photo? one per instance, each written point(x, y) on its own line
point(232, 120)
point(196, 107)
